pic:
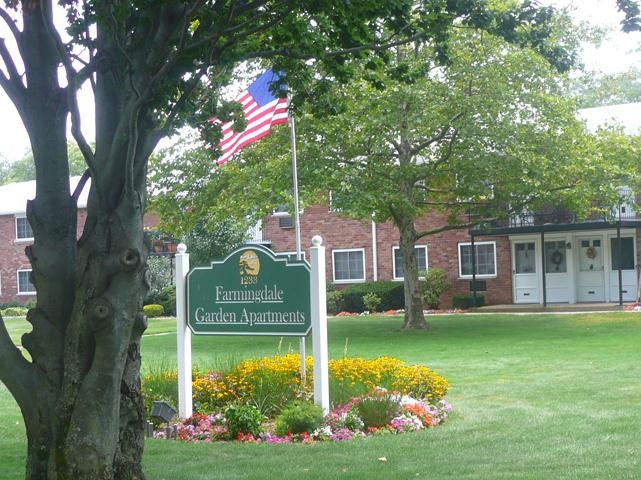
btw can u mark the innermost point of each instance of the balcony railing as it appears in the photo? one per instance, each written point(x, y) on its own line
point(255, 233)
point(533, 219)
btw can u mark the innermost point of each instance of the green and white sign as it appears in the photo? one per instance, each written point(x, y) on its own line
point(251, 292)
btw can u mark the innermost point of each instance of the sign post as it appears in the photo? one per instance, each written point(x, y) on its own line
point(183, 335)
point(319, 324)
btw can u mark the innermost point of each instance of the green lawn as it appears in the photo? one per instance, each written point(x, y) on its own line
point(534, 396)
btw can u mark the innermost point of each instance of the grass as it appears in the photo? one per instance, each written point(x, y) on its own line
point(534, 396)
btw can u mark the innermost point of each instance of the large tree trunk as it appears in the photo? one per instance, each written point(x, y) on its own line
point(414, 317)
point(89, 418)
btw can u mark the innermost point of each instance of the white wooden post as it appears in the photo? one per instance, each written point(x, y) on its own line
point(183, 334)
point(319, 323)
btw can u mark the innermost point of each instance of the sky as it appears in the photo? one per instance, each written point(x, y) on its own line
point(616, 54)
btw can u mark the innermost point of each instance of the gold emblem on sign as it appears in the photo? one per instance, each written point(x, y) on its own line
point(249, 266)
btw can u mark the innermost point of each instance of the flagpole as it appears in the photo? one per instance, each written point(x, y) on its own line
point(295, 182)
point(292, 128)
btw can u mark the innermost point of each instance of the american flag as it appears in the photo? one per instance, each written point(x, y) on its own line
point(262, 111)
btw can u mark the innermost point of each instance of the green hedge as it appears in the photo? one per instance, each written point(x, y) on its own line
point(466, 300)
point(15, 312)
point(153, 310)
point(390, 293)
point(165, 297)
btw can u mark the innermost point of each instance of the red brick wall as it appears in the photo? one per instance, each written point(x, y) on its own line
point(13, 259)
point(442, 249)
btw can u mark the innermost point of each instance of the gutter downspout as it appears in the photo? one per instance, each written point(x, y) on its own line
point(374, 252)
point(473, 272)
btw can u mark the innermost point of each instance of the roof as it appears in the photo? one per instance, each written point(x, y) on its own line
point(14, 196)
point(627, 115)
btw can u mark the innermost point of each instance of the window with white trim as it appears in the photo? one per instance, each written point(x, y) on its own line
point(485, 259)
point(397, 260)
point(23, 229)
point(25, 287)
point(349, 265)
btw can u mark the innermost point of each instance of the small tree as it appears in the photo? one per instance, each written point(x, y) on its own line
point(435, 282)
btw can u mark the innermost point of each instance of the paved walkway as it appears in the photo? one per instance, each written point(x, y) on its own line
point(556, 307)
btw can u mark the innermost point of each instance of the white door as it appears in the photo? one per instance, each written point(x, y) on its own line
point(526, 284)
point(628, 270)
point(590, 274)
point(557, 282)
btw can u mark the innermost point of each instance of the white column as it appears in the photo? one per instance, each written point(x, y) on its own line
point(183, 334)
point(319, 324)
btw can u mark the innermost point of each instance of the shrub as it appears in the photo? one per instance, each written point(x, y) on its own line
point(153, 310)
point(211, 392)
point(298, 417)
point(371, 301)
point(390, 293)
point(418, 381)
point(435, 283)
point(165, 297)
point(466, 300)
point(378, 408)
point(15, 312)
point(31, 303)
point(243, 419)
point(335, 302)
point(269, 383)
point(352, 377)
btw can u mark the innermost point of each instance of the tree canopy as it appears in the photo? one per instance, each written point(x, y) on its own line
point(488, 135)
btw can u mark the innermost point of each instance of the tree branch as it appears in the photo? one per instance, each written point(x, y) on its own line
point(15, 371)
point(72, 87)
point(446, 228)
point(438, 137)
point(12, 84)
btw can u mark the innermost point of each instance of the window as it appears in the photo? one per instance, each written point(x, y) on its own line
point(25, 287)
point(285, 221)
point(397, 260)
point(555, 257)
point(23, 229)
point(524, 257)
point(284, 218)
point(485, 259)
point(349, 265)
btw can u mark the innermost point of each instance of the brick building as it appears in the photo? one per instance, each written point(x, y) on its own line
point(580, 259)
point(359, 251)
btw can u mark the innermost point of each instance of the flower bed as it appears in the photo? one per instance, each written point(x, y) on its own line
point(341, 424)
point(259, 399)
